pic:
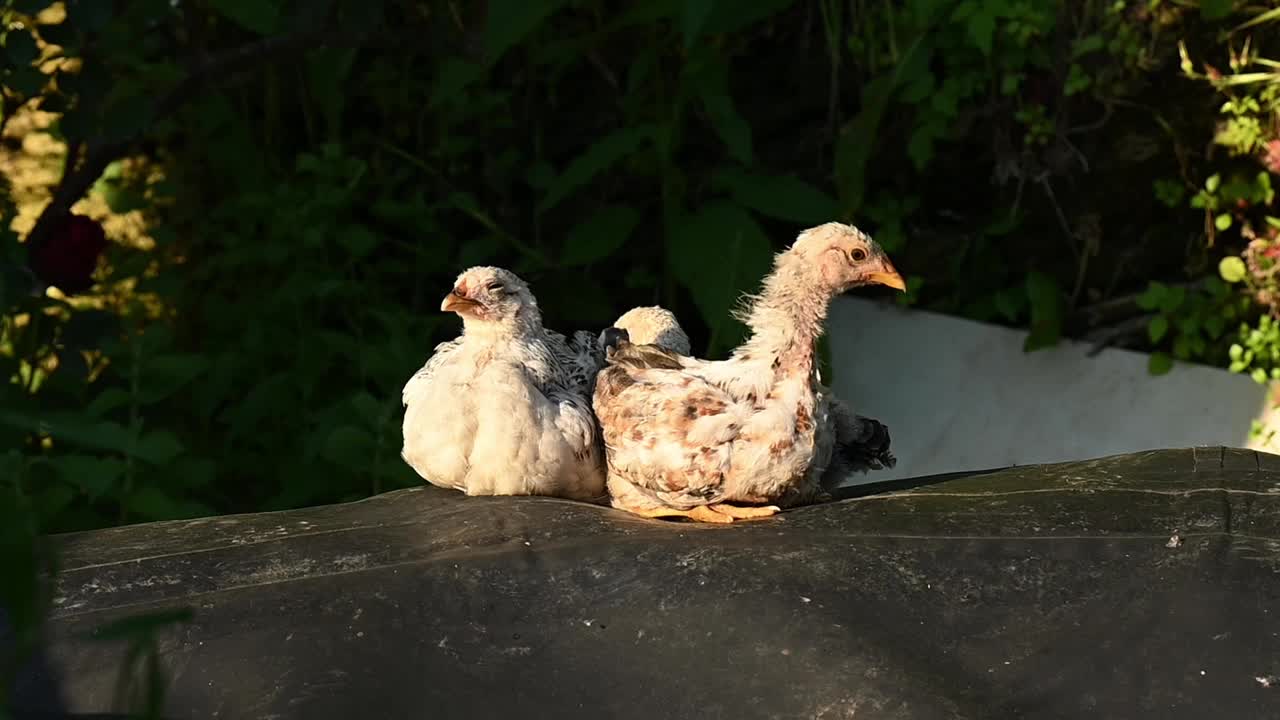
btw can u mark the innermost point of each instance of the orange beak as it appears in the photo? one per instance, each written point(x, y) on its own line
point(887, 275)
point(453, 302)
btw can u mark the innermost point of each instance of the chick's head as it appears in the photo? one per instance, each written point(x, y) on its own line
point(491, 295)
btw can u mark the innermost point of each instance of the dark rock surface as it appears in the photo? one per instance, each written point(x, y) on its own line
point(1137, 586)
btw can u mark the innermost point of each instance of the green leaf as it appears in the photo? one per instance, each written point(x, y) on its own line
point(91, 17)
point(784, 197)
point(1153, 296)
point(599, 235)
point(857, 142)
point(53, 498)
point(728, 17)
point(20, 47)
point(1010, 302)
point(1158, 328)
point(1077, 81)
point(120, 199)
point(358, 240)
point(920, 146)
point(192, 472)
point(26, 81)
point(718, 254)
point(1216, 9)
point(1232, 269)
point(348, 446)
point(858, 138)
point(693, 17)
point(510, 21)
point(452, 78)
point(152, 503)
point(1215, 287)
point(712, 82)
point(1159, 363)
point(126, 115)
point(67, 37)
point(163, 375)
point(1222, 221)
point(327, 72)
point(1272, 15)
point(158, 447)
point(1088, 44)
point(94, 475)
point(1006, 224)
point(479, 251)
point(71, 428)
point(918, 87)
point(1172, 300)
point(30, 7)
point(1169, 192)
point(603, 154)
point(368, 407)
point(982, 27)
point(259, 16)
point(1046, 301)
point(1212, 182)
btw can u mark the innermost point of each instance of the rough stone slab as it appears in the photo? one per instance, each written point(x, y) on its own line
point(1138, 586)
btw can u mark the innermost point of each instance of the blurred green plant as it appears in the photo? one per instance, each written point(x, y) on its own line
point(341, 190)
point(1238, 200)
point(308, 197)
point(309, 177)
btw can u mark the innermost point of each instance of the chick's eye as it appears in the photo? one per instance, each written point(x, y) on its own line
point(494, 286)
point(858, 254)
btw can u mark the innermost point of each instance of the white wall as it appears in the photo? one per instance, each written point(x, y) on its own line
point(961, 395)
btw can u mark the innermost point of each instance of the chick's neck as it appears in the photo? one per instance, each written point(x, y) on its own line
point(525, 325)
point(786, 320)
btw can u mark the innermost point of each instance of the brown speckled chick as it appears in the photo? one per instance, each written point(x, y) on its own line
point(860, 443)
point(737, 438)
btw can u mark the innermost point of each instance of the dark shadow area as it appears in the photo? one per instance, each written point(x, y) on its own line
point(889, 486)
point(1136, 586)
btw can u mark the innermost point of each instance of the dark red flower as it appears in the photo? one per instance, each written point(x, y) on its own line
point(1271, 156)
point(68, 254)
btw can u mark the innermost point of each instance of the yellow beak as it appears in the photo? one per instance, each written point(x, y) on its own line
point(888, 277)
point(453, 302)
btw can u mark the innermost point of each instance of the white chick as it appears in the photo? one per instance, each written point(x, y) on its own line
point(505, 408)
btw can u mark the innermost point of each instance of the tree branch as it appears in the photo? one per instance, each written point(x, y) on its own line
point(1107, 335)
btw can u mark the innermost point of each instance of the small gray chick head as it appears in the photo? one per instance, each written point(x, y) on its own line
point(845, 257)
point(612, 338)
point(492, 295)
point(654, 325)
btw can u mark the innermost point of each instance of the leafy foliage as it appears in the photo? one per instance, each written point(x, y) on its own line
point(302, 181)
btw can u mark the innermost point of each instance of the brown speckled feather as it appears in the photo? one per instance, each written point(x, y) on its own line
point(683, 434)
point(667, 433)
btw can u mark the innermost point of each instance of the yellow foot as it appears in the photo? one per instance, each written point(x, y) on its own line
point(699, 513)
point(745, 512)
point(721, 513)
point(706, 514)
